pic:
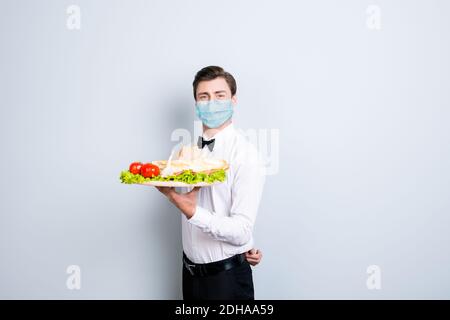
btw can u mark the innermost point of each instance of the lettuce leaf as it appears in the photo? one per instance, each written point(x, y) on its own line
point(186, 177)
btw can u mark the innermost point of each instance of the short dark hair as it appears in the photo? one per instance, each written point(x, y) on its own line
point(211, 73)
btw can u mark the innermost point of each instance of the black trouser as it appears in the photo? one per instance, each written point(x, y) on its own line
point(232, 284)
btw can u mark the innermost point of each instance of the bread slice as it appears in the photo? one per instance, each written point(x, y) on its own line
point(202, 165)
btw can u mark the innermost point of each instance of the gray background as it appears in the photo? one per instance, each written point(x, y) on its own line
point(364, 143)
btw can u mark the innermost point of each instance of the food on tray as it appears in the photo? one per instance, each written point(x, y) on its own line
point(190, 168)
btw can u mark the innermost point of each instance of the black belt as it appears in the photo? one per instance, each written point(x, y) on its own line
point(206, 269)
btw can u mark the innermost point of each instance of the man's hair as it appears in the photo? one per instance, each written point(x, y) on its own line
point(211, 73)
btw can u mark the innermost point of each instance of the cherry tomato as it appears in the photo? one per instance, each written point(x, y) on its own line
point(135, 167)
point(149, 170)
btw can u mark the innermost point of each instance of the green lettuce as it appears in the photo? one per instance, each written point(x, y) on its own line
point(186, 177)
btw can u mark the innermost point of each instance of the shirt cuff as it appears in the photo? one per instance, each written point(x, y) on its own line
point(201, 218)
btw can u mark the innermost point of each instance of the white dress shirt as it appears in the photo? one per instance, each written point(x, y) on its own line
point(222, 224)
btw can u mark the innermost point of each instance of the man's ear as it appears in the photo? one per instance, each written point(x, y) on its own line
point(234, 100)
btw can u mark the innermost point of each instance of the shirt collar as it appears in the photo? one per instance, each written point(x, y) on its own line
point(222, 134)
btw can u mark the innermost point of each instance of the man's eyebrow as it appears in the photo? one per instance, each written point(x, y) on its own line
point(220, 91)
point(200, 93)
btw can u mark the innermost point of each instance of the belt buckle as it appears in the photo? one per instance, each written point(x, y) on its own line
point(188, 266)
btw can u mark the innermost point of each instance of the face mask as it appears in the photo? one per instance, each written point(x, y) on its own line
point(214, 113)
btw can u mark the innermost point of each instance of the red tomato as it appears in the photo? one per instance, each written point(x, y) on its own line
point(149, 170)
point(135, 167)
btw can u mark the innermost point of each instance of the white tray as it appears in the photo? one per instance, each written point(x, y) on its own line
point(178, 184)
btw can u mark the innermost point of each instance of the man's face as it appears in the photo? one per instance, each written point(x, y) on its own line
point(217, 89)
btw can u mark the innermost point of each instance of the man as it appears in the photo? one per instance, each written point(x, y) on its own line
point(217, 221)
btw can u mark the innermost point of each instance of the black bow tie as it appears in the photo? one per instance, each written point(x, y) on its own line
point(202, 143)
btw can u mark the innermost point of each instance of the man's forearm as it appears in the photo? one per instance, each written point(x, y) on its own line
point(235, 229)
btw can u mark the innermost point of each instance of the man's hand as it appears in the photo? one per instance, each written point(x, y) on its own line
point(253, 256)
point(186, 202)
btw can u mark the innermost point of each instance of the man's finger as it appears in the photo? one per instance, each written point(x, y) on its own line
point(252, 259)
point(165, 190)
point(248, 254)
point(161, 189)
point(195, 189)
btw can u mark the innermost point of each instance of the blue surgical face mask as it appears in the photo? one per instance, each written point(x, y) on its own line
point(214, 113)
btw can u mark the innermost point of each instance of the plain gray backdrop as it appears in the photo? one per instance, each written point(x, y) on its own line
point(363, 118)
